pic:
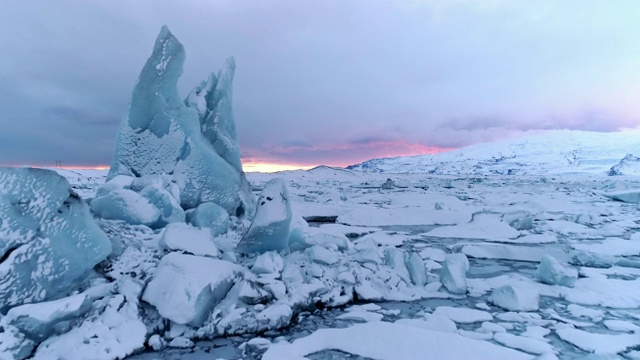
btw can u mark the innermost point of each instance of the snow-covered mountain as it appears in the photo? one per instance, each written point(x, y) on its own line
point(551, 152)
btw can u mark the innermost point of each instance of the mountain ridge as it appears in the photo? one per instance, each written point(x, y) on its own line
point(551, 152)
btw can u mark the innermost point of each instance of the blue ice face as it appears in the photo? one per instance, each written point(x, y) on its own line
point(48, 239)
point(271, 225)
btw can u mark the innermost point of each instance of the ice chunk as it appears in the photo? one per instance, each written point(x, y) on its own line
point(162, 181)
point(161, 135)
point(387, 341)
point(275, 316)
point(126, 205)
point(48, 239)
point(156, 342)
point(327, 240)
point(628, 196)
point(166, 203)
point(268, 263)
point(463, 315)
point(270, 227)
point(394, 257)
point(519, 220)
point(118, 182)
point(361, 316)
point(151, 200)
point(185, 288)
point(611, 247)
point(322, 256)
point(113, 334)
point(516, 298)
point(298, 238)
point(483, 226)
point(184, 238)
point(453, 273)
point(600, 344)
point(37, 320)
point(431, 322)
point(252, 294)
point(210, 215)
point(532, 346)
point(553, 272)
point(181, 343)
point(416, 269)
point(14, 345)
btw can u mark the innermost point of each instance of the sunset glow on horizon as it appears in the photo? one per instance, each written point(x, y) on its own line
point(269, 165)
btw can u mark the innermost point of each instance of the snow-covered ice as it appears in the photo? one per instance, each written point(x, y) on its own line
point(185, 288)
point(387, 341)
point(48, 239)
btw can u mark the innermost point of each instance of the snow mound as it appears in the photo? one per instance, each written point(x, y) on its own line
point(48, 239)
point(193, 142)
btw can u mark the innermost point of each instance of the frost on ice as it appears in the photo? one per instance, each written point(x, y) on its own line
point(48, 239)
point(194, 143)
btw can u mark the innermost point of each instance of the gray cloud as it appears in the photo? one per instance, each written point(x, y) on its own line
point(322, 81)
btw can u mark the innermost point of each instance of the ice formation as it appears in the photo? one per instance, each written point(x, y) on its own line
point(271, 225)
point(194, 143)
point(48, 239)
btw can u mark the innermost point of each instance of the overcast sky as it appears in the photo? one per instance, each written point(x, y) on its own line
point(322, 82)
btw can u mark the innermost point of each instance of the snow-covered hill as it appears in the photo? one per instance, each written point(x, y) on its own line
point(552, 152)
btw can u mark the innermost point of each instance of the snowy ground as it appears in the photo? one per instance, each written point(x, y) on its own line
point(505, 225)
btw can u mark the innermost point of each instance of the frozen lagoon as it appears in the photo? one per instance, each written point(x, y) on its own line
point(570, 220)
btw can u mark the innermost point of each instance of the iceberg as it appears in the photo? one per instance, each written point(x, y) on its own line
point(195, 145)
point(48, 239)
point(271, 224)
